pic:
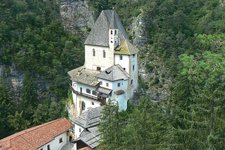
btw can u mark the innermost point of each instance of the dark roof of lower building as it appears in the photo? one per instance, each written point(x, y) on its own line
point(113, 73)
point(91, 137)
point(35, 137)
point(89, 118)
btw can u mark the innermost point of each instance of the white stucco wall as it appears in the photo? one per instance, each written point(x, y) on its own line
point(124, 63)
point(92, 62)
point(128, 62)
point(133, 74)
point(77, 99)
point(89, 103)
point(104, 82)
point(77, 130)
point(122, 102)
point(55, 144)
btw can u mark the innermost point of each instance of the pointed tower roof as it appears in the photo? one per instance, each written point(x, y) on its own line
point(99, 34)
point(113, 24)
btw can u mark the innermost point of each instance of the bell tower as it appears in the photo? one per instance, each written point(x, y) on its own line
point(113, 33)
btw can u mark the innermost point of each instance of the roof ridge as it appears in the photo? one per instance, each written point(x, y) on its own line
point(26, 130)
point(121, 68)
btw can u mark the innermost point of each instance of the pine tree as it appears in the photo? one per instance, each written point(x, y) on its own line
point(199, 121)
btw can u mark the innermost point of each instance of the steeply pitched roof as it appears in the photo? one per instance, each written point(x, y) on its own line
point(113, 73)
point(33, 138)
point(83, 75)
point(125, 48)
point(113, 24)
point(99, 34)
point(91, 137)
point(89, 118)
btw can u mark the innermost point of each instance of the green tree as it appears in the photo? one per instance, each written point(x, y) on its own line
point(202, 114)
point(145, 126)
point(6, 108)
point(111, 127)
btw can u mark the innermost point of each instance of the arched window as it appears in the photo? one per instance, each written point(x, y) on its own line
point(104, 55)
point(93, 52)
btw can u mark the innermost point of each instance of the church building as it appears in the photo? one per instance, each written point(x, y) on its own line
point(110, 71)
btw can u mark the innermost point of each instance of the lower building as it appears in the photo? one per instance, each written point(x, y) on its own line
point(53, 135)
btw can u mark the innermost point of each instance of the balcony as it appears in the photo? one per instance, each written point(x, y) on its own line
point(99, 97)
point(84, 94)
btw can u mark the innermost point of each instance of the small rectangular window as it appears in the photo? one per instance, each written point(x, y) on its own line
point(98, 68)
point(121, 57)
point(88, 91)
point(81, 89)
point(133, 55)
point(104, 55)
point(131, 82)
point(118, 84)
point(93, 92)
point(60, 140)
point(107, 84)
point(115, 32)
point(93, 51)
point(92, 103)
point(133, 67)
point(48, 147)
point(79, 129)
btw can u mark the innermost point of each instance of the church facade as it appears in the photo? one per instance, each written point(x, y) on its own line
point(110, 71)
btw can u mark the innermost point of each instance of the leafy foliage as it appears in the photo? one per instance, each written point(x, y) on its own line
point(33, 38)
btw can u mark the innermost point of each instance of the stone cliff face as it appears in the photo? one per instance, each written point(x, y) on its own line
point(14, 77)
point(77, 14)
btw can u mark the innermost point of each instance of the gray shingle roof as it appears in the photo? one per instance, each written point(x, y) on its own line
point(89, 118)
point(83, 75)
point(113, 73)
point(99, 34)
point(90, 137)
point(113, 24)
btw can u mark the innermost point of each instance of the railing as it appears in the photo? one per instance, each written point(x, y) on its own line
point(102, 100)
point(84, 94)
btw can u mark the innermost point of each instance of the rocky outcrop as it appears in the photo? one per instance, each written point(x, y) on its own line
point(14, 78)
point(138, 31)
point(155, 74)
point(76, 16)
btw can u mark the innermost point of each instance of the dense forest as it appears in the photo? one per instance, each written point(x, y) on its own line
point(188, 36)
point(32, 39)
